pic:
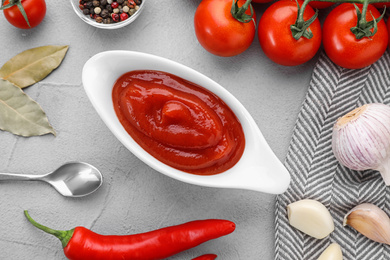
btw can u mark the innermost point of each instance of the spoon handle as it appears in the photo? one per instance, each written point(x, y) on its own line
point(19, 177)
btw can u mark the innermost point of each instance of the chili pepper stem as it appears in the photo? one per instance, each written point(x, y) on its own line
point(63, 236)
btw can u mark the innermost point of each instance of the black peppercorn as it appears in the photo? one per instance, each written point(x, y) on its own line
point(105, 13)
point(107, 21)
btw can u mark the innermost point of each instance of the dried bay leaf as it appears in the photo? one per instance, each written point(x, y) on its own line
point(33, 65)
point(19, 114)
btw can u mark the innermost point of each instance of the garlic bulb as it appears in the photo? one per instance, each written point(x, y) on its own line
point(361, 139)
point(371, 221)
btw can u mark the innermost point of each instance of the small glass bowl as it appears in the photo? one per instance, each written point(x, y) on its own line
point(91, 21)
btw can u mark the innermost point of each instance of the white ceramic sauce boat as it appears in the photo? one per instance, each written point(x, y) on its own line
point(258, 169)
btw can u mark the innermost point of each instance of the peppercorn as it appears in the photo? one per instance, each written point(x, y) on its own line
point(114, 5)
point(124, 16)
point(130, 3)
point(97, 10)
point(115, 17)
point(88, 5)
point(107, 21)
point(105, 13)
point(109, 11)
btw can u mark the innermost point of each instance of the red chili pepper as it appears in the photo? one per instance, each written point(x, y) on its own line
point(82, 244)
point(206, 257)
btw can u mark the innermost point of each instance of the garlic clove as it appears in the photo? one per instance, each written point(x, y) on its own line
point(332, 252)
point(371, 221)
point(311, 217)
point(361, 139)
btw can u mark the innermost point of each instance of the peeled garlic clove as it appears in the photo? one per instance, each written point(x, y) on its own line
point(361, 139)
point(311, 217)
point(332, 252)
point(371, 221)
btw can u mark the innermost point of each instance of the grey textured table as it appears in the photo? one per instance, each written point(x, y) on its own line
point(135, 198)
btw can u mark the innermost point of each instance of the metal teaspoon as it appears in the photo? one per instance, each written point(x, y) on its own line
point(73, 179)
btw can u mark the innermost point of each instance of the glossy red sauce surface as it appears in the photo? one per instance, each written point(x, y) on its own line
point(178, 122)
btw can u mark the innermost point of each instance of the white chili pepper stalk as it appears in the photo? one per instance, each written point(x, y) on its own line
point(361, 139)
point(371, 221)
point(332, 252)
point(311, 217)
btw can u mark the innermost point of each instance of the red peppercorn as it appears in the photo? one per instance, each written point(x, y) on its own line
point(81, 7)
point(115, 17)
point(124, 16)
point(131, 4)
point(114, 5)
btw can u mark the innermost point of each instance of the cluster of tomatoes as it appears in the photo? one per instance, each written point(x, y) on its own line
point(220, 33)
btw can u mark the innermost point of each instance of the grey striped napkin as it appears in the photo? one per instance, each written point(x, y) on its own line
point(315, 172)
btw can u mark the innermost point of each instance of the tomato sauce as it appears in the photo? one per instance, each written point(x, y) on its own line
point(178, 122)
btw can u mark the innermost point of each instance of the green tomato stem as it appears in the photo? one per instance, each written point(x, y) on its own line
point(18, 3)
point(239, 12)
point(301, 27)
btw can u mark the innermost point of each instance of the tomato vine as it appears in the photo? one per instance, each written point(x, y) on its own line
point(24, 14)
point(18, 3)
point(362, 29)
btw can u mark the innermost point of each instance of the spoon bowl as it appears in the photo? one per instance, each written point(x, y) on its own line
point(258, 169)
point(73, 179)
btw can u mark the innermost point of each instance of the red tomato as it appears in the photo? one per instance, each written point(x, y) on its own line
point(388, 28)
point(381, 5)
point(320, 5)
point(340, 43)
point(261, 1)
point(276, 38)
point(219, 32)
point(35, 10)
